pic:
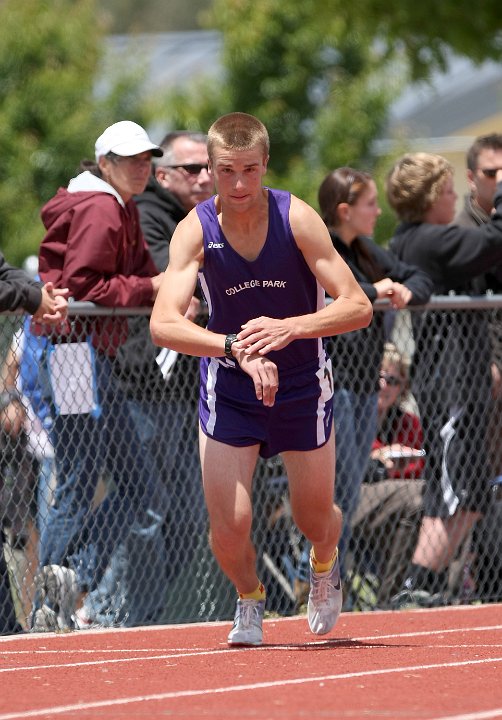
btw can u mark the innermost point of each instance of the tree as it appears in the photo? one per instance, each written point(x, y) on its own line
point(320, 96)
point(427, 32)
point(127, 16)
point(321, 74)
point(49, 112)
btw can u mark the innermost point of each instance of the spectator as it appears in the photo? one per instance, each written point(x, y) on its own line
point(48, 304)
point(261, 251)
point(29, 350)
point(349, 206)
point(399, 432)
point(18, 472)
point(161, 388)
point(45, 302)
point(94, 242)
point(451, 363)
point(28, 460)
point(180, 181)
point(387, 517)
point(483, 158)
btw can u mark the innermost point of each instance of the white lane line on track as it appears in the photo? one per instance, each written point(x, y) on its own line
point(181, 653)
point(224, 623)
point(114, 661)
point(59, 709)
point(105, 651)
point(482, 715)
point(419, 633)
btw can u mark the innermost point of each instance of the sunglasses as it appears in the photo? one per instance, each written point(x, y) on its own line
point(191, 168)
point(391, 380)
point(489, 172)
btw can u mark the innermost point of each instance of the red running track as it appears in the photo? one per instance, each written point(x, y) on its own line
point(424, 664)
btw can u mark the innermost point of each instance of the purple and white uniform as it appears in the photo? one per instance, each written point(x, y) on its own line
point(278, 284)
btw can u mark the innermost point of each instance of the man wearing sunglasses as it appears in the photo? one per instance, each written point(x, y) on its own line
point(177, 185)
point(483, 159)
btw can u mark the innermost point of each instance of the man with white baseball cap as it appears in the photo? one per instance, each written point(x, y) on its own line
point(125, 138)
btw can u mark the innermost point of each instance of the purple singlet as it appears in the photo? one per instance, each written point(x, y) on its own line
point(278, 283)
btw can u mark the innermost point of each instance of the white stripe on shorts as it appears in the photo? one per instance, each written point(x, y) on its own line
point(212, 372)
point(325, 375)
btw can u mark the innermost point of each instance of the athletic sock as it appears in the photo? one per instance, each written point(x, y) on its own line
point(423, 578)
point(258, 594)
point(320, 567)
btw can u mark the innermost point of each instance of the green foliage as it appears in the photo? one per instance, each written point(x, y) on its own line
point(49, 114)
point(127, 16)
point(305, 74)
point(425, 32)
point(321, 75)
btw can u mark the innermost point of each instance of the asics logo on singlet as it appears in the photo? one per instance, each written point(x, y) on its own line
point(215, 245)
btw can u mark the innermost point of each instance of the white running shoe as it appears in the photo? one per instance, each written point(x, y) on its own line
point(325, 599)
point(83, 621)
point(58, 593)
point(247, 629)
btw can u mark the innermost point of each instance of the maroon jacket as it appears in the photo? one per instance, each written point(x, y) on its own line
point(94, 246)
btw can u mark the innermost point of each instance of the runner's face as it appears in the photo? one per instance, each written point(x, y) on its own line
point(238, 176)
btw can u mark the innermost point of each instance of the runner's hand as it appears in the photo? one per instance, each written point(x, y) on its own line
point(262, 335)
point(263, 373)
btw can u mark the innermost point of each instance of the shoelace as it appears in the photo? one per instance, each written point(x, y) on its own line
point(320, 589)
point(248, 614)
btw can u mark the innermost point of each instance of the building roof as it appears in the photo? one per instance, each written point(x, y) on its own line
point(451, 102)
point(169, 59)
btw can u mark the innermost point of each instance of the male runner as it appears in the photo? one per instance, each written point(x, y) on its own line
point(264, 259)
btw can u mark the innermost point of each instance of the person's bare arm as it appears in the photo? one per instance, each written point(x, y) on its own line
point(170, 327)
point(169, 324)
point(350, 309)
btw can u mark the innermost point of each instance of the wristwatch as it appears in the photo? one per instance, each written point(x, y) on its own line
point(229, 341)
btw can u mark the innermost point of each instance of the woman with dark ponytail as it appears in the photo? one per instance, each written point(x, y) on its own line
point(349, 206)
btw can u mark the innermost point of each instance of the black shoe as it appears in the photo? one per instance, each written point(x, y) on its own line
point(412, 599)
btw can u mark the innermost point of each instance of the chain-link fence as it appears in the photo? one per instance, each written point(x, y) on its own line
point(100, 474)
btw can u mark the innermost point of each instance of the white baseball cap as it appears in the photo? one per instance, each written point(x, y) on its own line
point(125, 138)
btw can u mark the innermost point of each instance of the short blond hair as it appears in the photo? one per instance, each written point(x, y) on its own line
point(237, 131)
point(415, 183)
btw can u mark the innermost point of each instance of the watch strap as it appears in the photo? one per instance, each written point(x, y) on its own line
point(229, 341)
